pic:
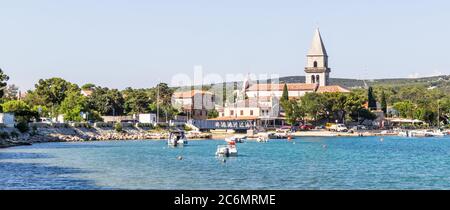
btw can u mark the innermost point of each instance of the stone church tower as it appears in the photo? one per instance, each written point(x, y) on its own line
point(316, 70)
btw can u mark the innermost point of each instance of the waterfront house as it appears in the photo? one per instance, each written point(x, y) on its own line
point(7, 119)
point(147, 118)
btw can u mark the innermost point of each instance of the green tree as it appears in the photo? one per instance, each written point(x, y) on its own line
point(136, 101)
point(43, 111)
point(53, 91)
point(293, 111)
point(285, 96)
point(72, 107)
point(106, 101)
point(312, 105)
point(20, 109)
point(383, 102)
point(371, 99)
point(88, 86)
point(3, 79)
point(404, 108)
point(213, 114)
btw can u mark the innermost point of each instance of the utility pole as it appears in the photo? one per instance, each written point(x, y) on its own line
point(438, 124)
point(157, 104)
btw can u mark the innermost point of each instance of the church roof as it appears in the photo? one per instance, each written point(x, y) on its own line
point(280, 86)
point(298, 87)
point(317, 46)
point(333, 89)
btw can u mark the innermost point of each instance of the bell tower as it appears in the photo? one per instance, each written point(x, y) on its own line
point(316, 70)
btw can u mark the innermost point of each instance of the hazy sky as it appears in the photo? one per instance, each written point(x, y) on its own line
point(136, 43)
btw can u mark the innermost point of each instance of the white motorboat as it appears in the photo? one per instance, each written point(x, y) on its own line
point(177, 138)
point(434, 133)
point(235, 139)
point(421, 133)
point(227, 150)
point(262, 139)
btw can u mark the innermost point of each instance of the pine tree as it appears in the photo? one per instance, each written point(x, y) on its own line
point(383, 102)
point(285, 96)
point(371, 99)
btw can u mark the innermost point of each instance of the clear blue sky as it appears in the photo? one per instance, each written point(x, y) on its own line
point(134, 43)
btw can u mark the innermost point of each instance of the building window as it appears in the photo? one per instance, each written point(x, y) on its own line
point(251, 112)
point(242, 112)
point(313, 79)
point(315, 64)
point(231, 112)
point(317, 79)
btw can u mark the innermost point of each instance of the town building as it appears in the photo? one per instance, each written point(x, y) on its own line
point(195, 104)
point(147, 118)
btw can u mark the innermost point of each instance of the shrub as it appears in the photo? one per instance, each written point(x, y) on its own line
point(187, 128)
point(118, 127)
point(22, 127)
point(33, 130)
point(14, 134)
point(4, 135)
point(145, 125)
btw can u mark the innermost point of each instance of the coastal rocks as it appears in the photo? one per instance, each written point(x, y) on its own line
point(78, 134)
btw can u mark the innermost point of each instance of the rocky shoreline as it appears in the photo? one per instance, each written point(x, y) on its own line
point(42, 135)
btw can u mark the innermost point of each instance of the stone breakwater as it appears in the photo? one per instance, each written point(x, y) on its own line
point(88, 134)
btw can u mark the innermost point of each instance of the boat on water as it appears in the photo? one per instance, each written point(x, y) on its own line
point(278, 135)
point(177, 138)
point(227, 150)
point(235, 139)
point(434, 133)
point(262, 139)
point(421, 133)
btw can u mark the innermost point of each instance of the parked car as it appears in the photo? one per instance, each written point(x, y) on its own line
point(339, 128)
point(320, 127)
point(45, 120)
point(307, 127)
point(358, 127)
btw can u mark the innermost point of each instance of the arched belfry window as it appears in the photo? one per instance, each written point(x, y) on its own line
point(315, 64)
point(317, 78)
point(313, 79)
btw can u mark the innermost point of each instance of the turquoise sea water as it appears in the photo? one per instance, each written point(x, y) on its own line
point(309, 163)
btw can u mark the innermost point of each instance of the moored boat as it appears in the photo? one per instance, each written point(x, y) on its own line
point(227, 150)
point(177, 138)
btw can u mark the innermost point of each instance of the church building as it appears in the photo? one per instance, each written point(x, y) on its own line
point(261, 105)
point(317, 76)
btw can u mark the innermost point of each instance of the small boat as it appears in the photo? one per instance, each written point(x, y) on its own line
point(235, 139)
point(177, 138)
point(227, 150)
point(410, 133)
point(262, 139)
point(273, 135)
point(434, 133)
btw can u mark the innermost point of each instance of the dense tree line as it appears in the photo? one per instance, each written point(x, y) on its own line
point(56, 96)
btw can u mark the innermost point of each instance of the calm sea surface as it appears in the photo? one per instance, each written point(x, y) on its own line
point(306, 163)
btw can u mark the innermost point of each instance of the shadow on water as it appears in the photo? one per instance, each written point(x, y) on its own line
point(26, 176)
point(40, 176)
point(23, 155)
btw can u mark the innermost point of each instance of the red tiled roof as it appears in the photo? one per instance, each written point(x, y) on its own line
point(235, 118)
point(333, 89)
point(298, 87)
point(280, 87)
point(190, 93)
